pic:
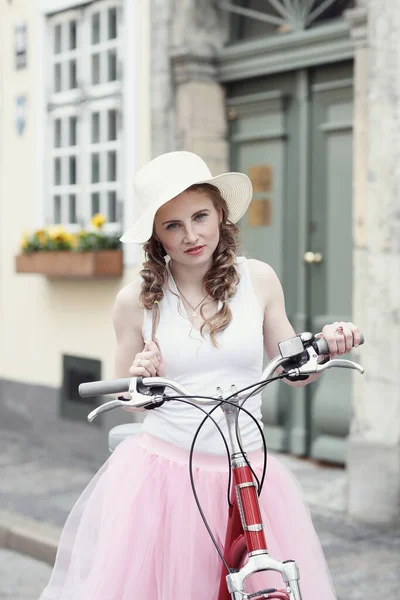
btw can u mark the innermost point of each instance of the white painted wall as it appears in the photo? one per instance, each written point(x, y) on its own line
point(41, 319)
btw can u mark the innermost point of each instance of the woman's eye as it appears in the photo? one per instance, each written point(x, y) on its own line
point(172, 226)
point(201, 216)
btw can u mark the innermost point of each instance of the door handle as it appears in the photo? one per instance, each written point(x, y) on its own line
point(313, 258)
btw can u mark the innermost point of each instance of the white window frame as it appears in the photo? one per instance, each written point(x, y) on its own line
point(132, 37)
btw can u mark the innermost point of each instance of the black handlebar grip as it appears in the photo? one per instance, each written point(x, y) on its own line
point(322, 346)
point(102, 388)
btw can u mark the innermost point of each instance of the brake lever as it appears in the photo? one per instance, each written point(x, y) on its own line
point(106, 407)
point(341, 363)
point(312, 366)
point(135, 401)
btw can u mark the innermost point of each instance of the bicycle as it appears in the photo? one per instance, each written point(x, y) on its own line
point(245, 550)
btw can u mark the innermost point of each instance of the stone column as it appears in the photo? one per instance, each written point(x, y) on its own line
point(163, 137)
point(198, 33)
point(374, 444)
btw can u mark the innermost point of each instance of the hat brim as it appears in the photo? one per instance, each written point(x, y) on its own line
point(235, 188)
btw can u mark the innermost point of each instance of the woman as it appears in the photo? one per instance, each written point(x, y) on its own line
point(201, 316)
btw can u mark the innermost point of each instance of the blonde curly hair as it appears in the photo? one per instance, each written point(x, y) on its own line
point(220, 281)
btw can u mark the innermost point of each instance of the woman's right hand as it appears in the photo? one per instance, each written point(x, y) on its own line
point(149, 362)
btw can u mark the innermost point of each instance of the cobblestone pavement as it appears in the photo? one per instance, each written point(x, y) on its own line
point(43, 481)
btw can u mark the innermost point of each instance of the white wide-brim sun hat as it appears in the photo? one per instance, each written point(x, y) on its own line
point(169, 175)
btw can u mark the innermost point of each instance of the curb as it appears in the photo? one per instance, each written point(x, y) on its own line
point(26, 536)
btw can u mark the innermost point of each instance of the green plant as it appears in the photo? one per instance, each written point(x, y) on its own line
point(56, 238)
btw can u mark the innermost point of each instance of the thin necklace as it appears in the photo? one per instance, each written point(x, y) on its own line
point(194, 308)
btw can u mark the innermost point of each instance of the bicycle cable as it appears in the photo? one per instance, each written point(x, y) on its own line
point(258, 386)
point(186, 400)
point(258, 389)
point(226, 401)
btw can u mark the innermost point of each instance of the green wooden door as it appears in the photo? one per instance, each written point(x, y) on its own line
point(292, 135)
point(329, 282)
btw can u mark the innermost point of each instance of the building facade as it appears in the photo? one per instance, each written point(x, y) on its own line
point(301, 96)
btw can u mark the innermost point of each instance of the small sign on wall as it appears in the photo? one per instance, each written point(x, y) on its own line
point(260, 213)
point(260, 210)
point(20, 114)
point(261, 178)
point(20, 45)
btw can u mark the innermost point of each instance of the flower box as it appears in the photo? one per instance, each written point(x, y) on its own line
point(73, 265)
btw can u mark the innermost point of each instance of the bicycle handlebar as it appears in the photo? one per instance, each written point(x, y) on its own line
point(299, 353)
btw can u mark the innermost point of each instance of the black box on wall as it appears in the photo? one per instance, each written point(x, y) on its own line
point(77, 370)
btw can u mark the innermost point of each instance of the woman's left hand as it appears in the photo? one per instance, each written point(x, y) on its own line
point(341, 337)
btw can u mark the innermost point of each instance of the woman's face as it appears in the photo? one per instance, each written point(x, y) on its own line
point(188, 228)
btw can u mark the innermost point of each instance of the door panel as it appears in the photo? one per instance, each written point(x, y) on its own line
point(259, 147)
point(330, 282)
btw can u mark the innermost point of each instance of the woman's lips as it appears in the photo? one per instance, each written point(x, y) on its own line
point(195, 251)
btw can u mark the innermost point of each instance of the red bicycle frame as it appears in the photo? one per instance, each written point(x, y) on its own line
point(245, 531)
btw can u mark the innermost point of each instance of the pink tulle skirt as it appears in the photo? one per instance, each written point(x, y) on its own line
point(136, 534)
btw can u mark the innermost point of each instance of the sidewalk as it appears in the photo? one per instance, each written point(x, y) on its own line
point(21, 577)
point(39, 485)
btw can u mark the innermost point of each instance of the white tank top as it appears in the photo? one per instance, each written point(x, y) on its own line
point(195, 363)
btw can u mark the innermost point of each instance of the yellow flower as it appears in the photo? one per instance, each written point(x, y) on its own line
point(57, 233)
point(41, 236)
point(71, 239)
point(98, 220)
point(25, 240)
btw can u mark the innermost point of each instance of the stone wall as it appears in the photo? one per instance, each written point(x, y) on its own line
point(188, 108)
point(374, 448)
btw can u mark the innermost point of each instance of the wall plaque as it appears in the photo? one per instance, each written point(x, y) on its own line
point(261, 178)
point(260, 212)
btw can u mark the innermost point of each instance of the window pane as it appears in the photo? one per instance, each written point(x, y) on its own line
point(95, 69)
point(112, 207)
point(72, 75)
point(95, 167)
point(96, 28)
point(57, 171)
point(112, 23)
point(73, 121)
point(72, 170)
point(112, 65)
point(57, 133)
point(57, 77)
point(72, 208)
point(95, 128)
point(57, 39)
point(72, 35)
point(112, 166)
point(95, 203)
point(112, 125)
point(57, 209)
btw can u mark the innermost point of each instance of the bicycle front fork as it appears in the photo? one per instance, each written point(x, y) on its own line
point(245, 536)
